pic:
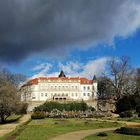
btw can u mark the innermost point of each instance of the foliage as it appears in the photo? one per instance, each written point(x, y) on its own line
point(13, 118)
point(112, 136)
point(102, 134)
point(8, 100)
point(9, 97)
point(123, 104)
point(105, 89)
point(126, 114)
point(72, 106)
point(22, 108)
point(38, 115)
point(133, 130)
point(128, 102)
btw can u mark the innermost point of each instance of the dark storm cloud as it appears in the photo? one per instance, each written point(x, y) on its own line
point(35, 26)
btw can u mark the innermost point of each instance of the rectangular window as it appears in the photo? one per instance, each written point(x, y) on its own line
point(84, 88)
point(45, 94)
point(42, 94)
point(84, 94)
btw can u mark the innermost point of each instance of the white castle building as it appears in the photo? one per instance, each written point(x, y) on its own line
point(61, 88)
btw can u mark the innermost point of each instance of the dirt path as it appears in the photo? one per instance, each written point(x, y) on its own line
point(6, 128)
point(78, 135)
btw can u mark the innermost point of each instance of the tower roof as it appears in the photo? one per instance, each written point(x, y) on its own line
point(94, 78)
point(61, 74)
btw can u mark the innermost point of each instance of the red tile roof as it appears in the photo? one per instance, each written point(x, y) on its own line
point(82, 80)
point(85, 81)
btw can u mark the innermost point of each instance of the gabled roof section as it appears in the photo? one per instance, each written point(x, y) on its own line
point(31, 82)
point(85, 81)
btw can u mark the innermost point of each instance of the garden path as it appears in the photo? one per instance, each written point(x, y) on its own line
point(78, 135)
point(6, 128)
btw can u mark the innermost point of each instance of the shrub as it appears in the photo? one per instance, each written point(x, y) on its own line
point(56, 123)
point(86, 122)
point(38, 115)
point(102, 134)
point(22, 108)
point(129, 130)
point(123, 104)
point(126, 114)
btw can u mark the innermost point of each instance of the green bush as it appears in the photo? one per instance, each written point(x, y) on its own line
point(72, 106)
point(129, 130)
point(102, 134)
point(126, 114)
point(13, 118)
point(38, 115)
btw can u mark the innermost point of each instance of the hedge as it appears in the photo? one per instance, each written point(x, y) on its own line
point(38, 115)
point(129, 130)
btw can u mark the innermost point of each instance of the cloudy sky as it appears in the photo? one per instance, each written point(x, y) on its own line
point(41, 37)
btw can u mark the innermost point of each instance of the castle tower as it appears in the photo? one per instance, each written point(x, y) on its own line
point(95, 86)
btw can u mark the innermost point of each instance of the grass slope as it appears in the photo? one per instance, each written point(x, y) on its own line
point(112, 136)
point(44, 129)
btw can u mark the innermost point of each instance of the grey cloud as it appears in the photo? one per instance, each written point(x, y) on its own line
point(36, 26)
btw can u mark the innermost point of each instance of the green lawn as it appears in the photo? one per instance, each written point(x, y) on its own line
point(129, 119)
point(44, 129)
point(125, 119)
point(12, 118)
point(112, 136)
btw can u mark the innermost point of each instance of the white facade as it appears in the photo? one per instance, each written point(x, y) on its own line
point(59, 89)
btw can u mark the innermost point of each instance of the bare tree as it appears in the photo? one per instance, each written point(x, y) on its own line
point(137, 81)
point(9, 96)
point(121, 75)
